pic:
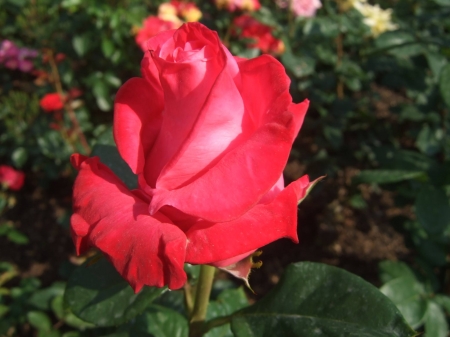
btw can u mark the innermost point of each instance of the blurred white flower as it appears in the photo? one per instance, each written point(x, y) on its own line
point(379, 20)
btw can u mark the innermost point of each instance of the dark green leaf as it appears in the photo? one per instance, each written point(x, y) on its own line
point(399, 43)
point(164, 322)
point(156, 321)
point(443, 301)
point(39, 320)
point(299, 66)
point(429, 140)
point(228, 302)
point(444, 84)
point(96, 293)
point(41, 299)
point(19, 156)
point(318, 300)
point(110, 157)
point(433, 209)
point(386, 176)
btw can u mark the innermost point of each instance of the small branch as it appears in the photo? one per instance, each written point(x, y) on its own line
point(340, 55)
point(67, 105)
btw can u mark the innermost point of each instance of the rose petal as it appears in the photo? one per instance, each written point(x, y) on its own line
point(144, 250)
point(137, 120)
point(220, 126)
point(186, 87)
point(263, 224)
point(239, 180)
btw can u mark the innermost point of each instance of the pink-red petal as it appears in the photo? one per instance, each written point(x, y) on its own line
point(241, 178)
point(137, 120)
point(219, 127)
point(186, 86)
point(213, 242)
point(145, 250)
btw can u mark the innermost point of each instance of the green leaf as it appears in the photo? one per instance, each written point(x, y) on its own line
point(314, 299)
point(110, 157)
point(407, 293)
point(444, 84)
point(433, 209)
point(39, 320)
point(443, 301)
point(81, 44)
point(436, 61)
point(228, 302)
point(390, 270)
point(299, 66)
point(386, 176)
point(19, 156)
point(96, 293)
point(156, 321)
point(443, 2)
point(107, 47)
point(164, 322)
point(17, 237)
point(399, 43)
point(50, 333)
point(3, 310)
point(41, 299)
point(429, 140)
point(435, 321)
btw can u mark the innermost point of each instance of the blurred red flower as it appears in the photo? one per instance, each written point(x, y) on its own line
point(261, 34)
point(152, 26)
point(51, 102)
point(12, 178)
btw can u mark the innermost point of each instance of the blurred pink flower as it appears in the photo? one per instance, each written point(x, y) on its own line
point(13, 57)
point(305, 8)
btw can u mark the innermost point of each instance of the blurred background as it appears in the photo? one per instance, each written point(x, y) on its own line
point(377, 74)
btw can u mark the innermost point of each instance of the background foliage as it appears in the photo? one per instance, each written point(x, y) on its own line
point(378, 127)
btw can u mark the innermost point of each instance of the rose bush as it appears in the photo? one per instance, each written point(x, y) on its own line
point(208, 136)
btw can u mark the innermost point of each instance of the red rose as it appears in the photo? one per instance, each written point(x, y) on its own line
point(208, 135)
point(11, 178)
point(51, 102)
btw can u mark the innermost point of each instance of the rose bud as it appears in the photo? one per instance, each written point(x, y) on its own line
point(208, 136)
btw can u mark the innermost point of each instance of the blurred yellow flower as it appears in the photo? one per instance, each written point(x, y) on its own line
point(168, 12)
point(191, 13)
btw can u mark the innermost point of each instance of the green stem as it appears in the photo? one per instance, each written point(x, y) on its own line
point(188, 300)
point(204, 285)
